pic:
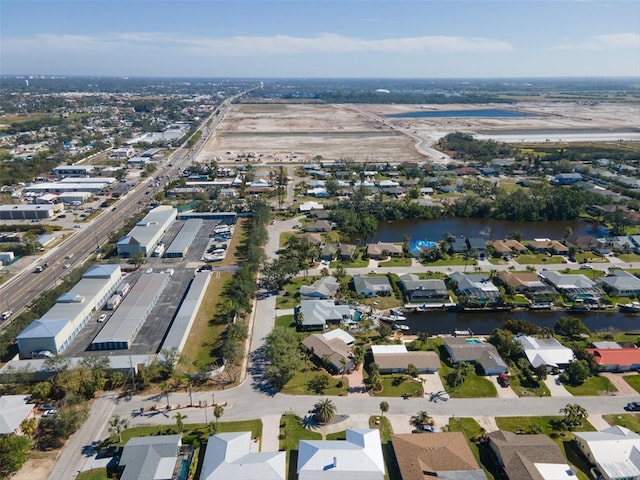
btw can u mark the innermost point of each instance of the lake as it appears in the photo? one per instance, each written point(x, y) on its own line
point(483, 323)
point(434, 229)
point(479, 113)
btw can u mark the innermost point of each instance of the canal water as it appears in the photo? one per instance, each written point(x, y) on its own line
point(484, 323)
point(434, 229)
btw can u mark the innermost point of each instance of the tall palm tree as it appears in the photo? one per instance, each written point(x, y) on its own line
point(384, 407)
point(117, 425)
point(421, 417)
point(325, 410)
point(574, 414)
point(423, 337)
point(180, 421)
point(218, 411)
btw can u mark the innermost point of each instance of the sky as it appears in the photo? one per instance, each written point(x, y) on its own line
point(321, 38)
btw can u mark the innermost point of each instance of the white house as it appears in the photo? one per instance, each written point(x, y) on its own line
point(545, 351)
point(358, 457)
point(614, 450)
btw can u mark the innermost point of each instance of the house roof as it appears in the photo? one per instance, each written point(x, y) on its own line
point(615, 450)
point(358, 457)
point(317, 312)
point(373, 283)
point(420, 456)
point(521, 279)
point(228, 455)
point(476, 285)
point(567, 280)
point(545, 351)
point(378, 248)
point(339, 333)
point(462, 350)
point(411, 282)
point(616, 356)
point(149, 458)
point(522, 453)
point(401, 360)
point(326, 286)
point(621, 280)
point(334, 348)
point(13, 410)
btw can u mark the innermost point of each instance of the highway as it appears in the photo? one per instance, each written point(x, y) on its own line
point(18, 292)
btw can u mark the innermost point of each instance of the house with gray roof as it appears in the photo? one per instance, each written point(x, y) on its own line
point(529, 457)
point(318, 226)
point(316, 314)
point(573, 286)
point(614, 450)
point(322, 289)
point(475, 350)
point(150, 458)
point(476, 287)
point(228, 455)
point(13, 410)
point(371, 285)
point(545, 351)
point(417, 290)
point(358, 457)
point(623, 284)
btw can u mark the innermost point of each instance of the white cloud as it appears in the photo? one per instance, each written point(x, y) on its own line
point(614, 41)
point(253, 45)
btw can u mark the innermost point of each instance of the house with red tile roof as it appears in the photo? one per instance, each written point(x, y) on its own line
point(616, 359)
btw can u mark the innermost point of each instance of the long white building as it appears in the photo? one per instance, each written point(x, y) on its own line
point(147, 233)
point(55, 330)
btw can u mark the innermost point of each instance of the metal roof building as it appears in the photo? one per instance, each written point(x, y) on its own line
point(30, 211)
point(147, 233)
point(180, 245)
point(125, 323)
point(181, 325)
point(55, 330)
point(226, 217)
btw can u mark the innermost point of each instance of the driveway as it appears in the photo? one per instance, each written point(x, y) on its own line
point(270, 433)
point(555, 387)
point(618, 381)
point(400, 423)
point(598, 422)
point(356, 383)
point(503, 392)
point(432, 383)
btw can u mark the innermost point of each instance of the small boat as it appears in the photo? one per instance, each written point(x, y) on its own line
point(387, 318)
point(633, 307)
point(397, 315)
point(421, 308)
point(541, 306)
point(579, 308)
point(463, 333)
point(398, 326)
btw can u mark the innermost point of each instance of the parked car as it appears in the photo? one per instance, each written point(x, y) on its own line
point(102, 318)
point(46, 406)
point(632, 407)
point(503, 380)
point(50, 413)
point(586, 266)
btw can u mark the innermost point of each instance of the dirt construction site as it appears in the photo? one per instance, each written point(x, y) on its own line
point(299, 132)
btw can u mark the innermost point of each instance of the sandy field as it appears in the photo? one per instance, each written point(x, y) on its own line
point(363, 133)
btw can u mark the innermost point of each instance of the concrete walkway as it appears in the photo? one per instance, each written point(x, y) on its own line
point(597, 421)
point(618, 381)
point(488, 423)
point(555, 387)
point(270, 433)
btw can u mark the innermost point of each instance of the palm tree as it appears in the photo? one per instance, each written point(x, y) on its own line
point(117, 425)
point(180, 421)
point(325, 410)
point(343, 366)
point(574, 414)
point(423, 337)
point(421, 417)
point(165, 387)
point(218, 411)
point(384, 407)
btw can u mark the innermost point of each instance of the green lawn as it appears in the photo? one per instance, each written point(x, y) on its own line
point(290, 298)
point(95, 474)
point(472, 429)
point(382, 424)
point(285, 321)
point(474, 386)
point(391, 387)
point(384, 303)
point(396, 262)
point(529, 391)
point(633, 381)
point(629, 257)
point(454, 261)
point(592, 386)
point(538, 259)
point(299, 384)
point(627, 420)
point(342, 435)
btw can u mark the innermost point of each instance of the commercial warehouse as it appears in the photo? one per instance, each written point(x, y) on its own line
point(73, 170)
point(126, 322)
point(180, 245)
point(29, 212)
point(226, 217)
point(147, 233)
point(181, 325)
point(51, 187)
point(55, 330)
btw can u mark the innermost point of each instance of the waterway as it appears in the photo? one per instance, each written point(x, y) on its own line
point(434, 230)
point(478, 113)
point(483, 323)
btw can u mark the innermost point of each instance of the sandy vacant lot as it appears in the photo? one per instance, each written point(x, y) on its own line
point(302, 132)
